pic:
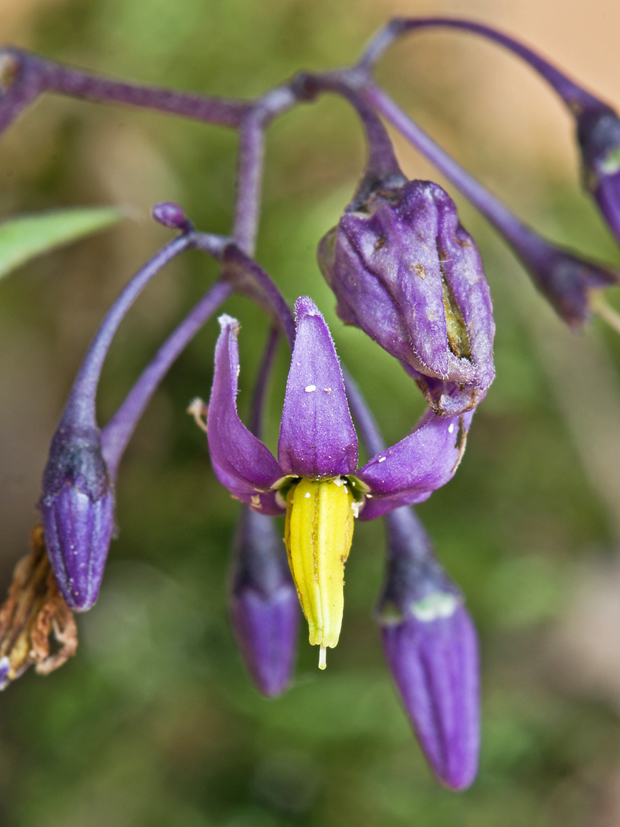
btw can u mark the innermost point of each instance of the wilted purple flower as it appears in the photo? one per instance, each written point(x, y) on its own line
point(406, 272)
point(431, 648)
point(77, 512)
point(263, 604)
point(315, 480)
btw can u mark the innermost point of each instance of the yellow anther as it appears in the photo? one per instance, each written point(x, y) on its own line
point(318, 535)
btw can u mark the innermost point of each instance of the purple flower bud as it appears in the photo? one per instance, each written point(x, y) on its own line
point(263, 605)
point(406, 272)
point(77, 513)
point(567, 281)
point(171, 215)
point(598, 132)
point(431, 648)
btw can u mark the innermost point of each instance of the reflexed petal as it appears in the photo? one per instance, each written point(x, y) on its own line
point(317, 437)
point(409, 471)
point(237, 455)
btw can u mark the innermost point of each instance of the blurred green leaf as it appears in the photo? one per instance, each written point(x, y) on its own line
point(27, 236)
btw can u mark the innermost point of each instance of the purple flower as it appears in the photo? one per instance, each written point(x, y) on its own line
point(431, 647)
point(315, 479)
point(406, 272)
point(263, 604)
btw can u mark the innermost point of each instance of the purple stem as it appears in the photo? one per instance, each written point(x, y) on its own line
point(250, 162)
point(118, 431)
point(249, 180)
point(382, 166)
point(518, 234)
point(32, 75)
point(258, 398)
point(364, 420)
point(80, 408)
point(249, 278)
point(574, 96)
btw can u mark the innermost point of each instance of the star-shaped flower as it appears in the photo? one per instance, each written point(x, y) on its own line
point(315, 479)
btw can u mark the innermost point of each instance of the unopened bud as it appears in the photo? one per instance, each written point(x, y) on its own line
point(77, 513)
point(263, 604)
point(406, 272)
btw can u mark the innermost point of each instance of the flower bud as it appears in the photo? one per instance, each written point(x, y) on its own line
point(171, 215)
point(406, 272)
point(569, 282)
point(431, 648)
point(263, 604)
point(77, 513)
point(598, 132)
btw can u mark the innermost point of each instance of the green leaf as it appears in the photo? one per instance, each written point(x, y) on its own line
point(27, 236)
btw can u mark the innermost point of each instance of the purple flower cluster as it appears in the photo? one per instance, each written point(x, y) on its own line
point(403, 270)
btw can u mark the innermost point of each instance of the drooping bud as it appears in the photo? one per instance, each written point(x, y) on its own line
point(406, 272)
point(77, 513)
point(568, 281)
point(263, 604)
point(431, 648)
point(318, 535)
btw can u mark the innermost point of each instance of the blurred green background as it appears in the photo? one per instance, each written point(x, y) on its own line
point(155, 722)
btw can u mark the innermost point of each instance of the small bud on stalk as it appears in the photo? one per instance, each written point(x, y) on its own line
point(406, 272)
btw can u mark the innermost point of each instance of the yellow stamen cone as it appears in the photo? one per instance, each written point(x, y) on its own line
point(318, 535)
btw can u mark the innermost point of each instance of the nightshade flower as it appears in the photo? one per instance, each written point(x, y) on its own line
point(431, 647)
point(315, 480)
point(406, 272)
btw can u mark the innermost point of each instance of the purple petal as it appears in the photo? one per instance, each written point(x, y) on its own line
point(435, 667)
point(240, 460)
point(317, 437)
point(264, 605)
point(409, 471)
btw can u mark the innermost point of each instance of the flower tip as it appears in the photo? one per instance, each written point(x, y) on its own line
point(304, 306)
point(227, 321)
